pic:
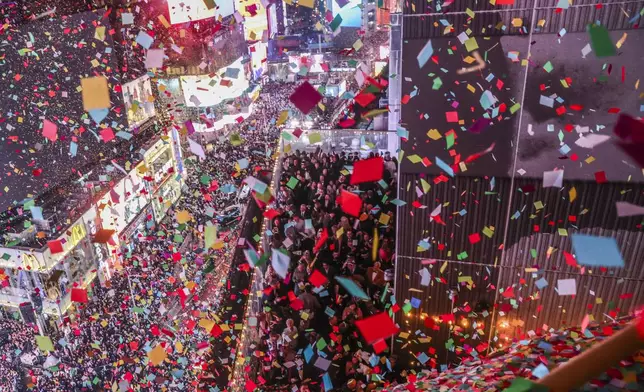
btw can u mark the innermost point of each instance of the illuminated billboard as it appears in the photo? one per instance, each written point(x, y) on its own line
point(313, 63)
point(257, 58)
point(183, 11)
point(139, 101)
point(123, 202)
point(255, 18)
point(207, 90)
point(351, 12)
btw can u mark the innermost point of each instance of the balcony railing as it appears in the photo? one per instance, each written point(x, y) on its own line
point(348, 140)
point(593, 362)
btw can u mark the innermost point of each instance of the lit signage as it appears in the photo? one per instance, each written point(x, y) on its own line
point(183, 11)
point(206, 90)
point(98, 248)
point(78, 233)
point(139, 101)
point(31, 262)
point(255, 19)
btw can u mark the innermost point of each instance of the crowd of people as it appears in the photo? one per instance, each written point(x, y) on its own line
point(171, 290)
point(308, 314)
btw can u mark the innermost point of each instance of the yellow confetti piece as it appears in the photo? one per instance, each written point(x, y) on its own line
point(164, 21)
point(549, 251)
point(434, 134)
point(471, 88)
point(444, 266)
point(426, 186)
point(541, 23)
point(471, 44)
point(517, 22)
point(590, 159)
point(469, 59)
point(283, 117)
point(206, 324)
point(621, 41)
point(572, 194)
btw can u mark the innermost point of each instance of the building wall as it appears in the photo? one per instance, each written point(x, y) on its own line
point(506, 259)
point(38, 265)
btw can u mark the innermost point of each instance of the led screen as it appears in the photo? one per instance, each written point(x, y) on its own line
point(255, 19)
point(257, 58)
point(123, 203)
point(182, 11)
point(351, 12)
point(204, 90)
point(312, 62)
point(139, 102)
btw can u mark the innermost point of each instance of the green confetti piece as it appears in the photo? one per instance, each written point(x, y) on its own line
point(600, 41)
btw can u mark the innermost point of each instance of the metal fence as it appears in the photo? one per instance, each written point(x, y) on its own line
point(348, 140)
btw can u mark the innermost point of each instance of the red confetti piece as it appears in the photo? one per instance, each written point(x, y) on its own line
point(600, 177)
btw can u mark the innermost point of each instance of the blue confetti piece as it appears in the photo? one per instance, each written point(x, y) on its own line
point(445, 167)
point(596, 251)
point(540, 371)
point(144, 40)
point(425, 54)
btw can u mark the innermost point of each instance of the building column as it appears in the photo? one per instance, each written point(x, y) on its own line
point(395, 84)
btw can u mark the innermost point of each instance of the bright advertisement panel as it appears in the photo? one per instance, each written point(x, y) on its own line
point(272, 20)
point(139, 101)
point(123, 203)
point(378, 67)
point(257, 57)
point(313, 62)
point(204, 90)
point(351, 12)
point(183, 11)
point(384, 52)
point(255, 18)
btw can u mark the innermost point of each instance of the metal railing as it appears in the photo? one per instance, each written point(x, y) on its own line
point(348, 140)
point(596, 360)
